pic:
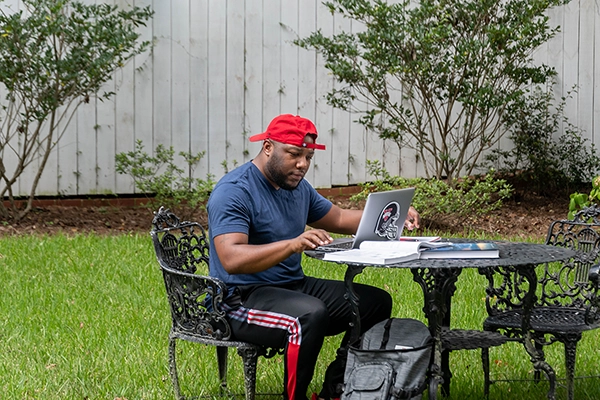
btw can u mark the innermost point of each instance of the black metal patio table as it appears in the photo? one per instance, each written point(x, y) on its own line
point(437, 278)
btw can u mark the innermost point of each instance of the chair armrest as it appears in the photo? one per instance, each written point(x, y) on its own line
point(196, 304)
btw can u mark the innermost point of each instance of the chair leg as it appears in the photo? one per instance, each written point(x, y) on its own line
point(250, 358)
point(222, 361)
point(570, 357)
point(485, 361)
point(173, 369)
point(537, 374)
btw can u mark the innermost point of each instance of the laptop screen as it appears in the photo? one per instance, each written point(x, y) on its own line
point(384, 215)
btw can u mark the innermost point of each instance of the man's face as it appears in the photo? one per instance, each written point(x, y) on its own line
point(288, 164)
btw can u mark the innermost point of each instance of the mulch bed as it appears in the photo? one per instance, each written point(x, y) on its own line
point(528, 217)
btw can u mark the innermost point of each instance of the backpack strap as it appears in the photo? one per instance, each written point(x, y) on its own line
point(386, 334)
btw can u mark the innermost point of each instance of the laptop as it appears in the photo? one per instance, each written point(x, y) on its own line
point(383, 219)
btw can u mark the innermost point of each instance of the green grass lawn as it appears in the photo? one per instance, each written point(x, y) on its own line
point(85, 317)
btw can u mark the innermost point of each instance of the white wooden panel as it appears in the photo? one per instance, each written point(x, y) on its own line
point(217, 106)
point(47, 185)
point(306, 75)
point(556, 51)
point(67, 157)
point(87, 144)
point(180, 87)
point(571, 37)
point(236, 137)
point(375, 151)
point(289, 57)
point(124, 121)
point(104, 129)
point(358, 141)
point(357, 152)
point(324, 113)
point(162, 75)
point(340, 132)
point(199, 83)
point(586, 68)
point(272, 62)
point(256, 120)
point(143, 107)
point(86, 148)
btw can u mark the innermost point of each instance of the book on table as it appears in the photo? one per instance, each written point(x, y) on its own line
point(383, 252)
point(463, 250)
point(396, 251)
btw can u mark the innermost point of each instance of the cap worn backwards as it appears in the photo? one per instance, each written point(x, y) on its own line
point(290, 129)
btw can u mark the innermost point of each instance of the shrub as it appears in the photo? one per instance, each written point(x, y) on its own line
point(538, 161)
point(435, 76)
point(54, 56)
point(579, 201)
point(439, 202)
point(167, 184)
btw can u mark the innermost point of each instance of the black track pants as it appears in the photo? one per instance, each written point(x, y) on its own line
point(297, 317)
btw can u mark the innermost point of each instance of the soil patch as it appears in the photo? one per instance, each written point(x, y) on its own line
point(528, 216)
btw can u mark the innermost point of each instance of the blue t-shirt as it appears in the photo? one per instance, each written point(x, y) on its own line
point(244, 201)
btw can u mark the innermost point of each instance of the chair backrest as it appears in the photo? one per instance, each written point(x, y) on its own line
point(569, 283)
point(195, 299)
point(573, 283)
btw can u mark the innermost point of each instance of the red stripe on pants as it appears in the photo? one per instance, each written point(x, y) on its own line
point(292, 369)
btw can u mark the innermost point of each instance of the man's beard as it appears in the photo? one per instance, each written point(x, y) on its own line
point(273, 168)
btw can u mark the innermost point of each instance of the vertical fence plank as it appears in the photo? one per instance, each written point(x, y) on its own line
point(307, 75)
point(236, 137)
point(217, 111)
point(255, 119)
point(180, 61)
point(162, 76)
point(272, 62)
point(198, 84)
point(324, 113)
point(585, 68)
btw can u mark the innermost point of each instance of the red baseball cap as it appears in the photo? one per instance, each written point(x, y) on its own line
point(290, 129)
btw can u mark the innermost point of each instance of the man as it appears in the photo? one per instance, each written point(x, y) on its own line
point(258, 215)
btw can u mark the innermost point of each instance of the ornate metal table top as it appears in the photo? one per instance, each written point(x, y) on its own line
point(511, 254)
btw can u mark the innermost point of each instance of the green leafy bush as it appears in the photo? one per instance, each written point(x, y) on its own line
point(435, 76)
point(54, 56)
point(440, 202)
point(168, 184)
point(538, 161)
point(579, 201)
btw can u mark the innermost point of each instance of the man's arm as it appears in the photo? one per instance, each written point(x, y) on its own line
point(239, 257)
point(340, 220)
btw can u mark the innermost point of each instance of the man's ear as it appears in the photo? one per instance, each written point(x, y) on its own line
point(267, 147)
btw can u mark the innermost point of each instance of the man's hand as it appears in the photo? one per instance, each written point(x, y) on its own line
point(413, 219)
point(310, 239)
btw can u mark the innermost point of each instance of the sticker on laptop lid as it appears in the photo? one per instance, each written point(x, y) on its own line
point(386, 223)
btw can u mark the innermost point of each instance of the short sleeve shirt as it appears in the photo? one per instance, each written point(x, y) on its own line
point(244, 201)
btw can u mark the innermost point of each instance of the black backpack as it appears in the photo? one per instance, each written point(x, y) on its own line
point(391, 361)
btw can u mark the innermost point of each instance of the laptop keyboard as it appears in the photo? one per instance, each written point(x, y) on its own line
point(336, 246)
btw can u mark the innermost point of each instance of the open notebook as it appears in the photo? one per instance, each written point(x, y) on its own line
point(382, 253)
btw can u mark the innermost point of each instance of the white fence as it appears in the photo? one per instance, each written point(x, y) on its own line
point(220, 70)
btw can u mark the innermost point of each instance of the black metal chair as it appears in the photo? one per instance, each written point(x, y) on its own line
point(566, 302)
point(182, 252)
